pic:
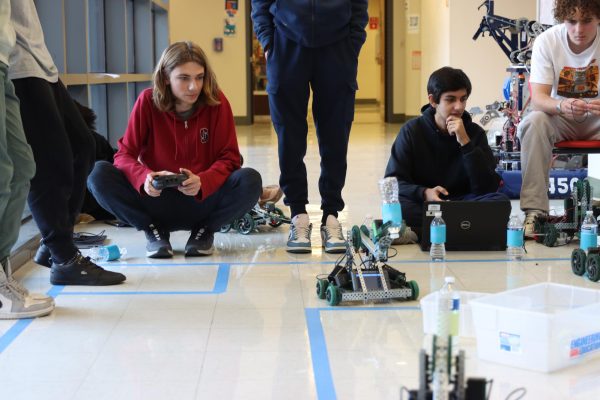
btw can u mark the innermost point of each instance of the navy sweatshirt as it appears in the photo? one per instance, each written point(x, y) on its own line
point(424, 157)
point(311, 23)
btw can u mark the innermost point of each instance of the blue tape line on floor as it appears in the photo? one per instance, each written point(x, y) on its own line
point(220, 286)
point(14, 331)
point(323, 262)
point(318, 345)
point(318, 352)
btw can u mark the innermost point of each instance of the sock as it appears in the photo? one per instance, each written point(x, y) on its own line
point(297, 209)
point(327, 213)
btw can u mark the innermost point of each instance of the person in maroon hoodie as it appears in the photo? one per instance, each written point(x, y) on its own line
point(183, 124)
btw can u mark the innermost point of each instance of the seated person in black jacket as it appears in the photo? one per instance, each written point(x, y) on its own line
point(442, 155)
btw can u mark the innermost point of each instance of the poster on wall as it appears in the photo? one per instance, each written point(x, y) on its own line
point(231, 7)
point(413, 24)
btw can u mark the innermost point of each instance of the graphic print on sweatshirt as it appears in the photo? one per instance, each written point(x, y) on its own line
point(579, 82)
point(204, 135)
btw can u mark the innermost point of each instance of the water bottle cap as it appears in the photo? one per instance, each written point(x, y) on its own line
point(437, 213)
point(449, 279)
point(589, 212)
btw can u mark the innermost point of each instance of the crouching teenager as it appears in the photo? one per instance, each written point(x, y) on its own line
point(442, 155)
point(182, 125)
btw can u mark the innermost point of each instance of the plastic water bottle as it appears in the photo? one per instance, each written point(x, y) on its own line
point(390, 205)
point(589, 232)
point(448, 307)
point(437, 235)
point(107, 253)
point(514, 239)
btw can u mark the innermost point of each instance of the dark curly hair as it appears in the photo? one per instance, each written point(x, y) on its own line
point(564, 9)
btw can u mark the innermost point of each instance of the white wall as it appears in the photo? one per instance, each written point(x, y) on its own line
point(435, 45)
point(444, 38)
point(200, 22)
point(482, 60)
point(369, 71)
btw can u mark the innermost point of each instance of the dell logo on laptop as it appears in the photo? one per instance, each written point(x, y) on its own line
point(465, 225)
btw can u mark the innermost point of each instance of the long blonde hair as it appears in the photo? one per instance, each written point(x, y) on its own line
point(175, 55)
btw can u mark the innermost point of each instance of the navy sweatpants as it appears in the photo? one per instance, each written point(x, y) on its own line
point(173, 210)
point(331, 73)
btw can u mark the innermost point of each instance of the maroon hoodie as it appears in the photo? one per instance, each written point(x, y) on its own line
point(206, 143)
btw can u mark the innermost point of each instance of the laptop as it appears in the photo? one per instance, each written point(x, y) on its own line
point(470, 225)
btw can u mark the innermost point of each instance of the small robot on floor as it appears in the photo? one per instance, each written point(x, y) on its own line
point(266, 214)
point(559, 230)
point(441, 369)
point(362, 272)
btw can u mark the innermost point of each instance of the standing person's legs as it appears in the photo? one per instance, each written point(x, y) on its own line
point(288, 88)
point(52, 185)
point(334, 87)
point(16, 165)
point(83, 147)
point(288, 69)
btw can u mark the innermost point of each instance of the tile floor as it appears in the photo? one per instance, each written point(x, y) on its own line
point(246, 323)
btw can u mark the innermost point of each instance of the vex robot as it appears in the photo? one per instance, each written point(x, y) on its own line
point(267, 214)
point(441, 361)
point(362, 273)
point(515, 37)
point(559, 230)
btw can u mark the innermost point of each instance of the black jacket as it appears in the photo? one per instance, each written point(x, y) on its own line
point(423, 157)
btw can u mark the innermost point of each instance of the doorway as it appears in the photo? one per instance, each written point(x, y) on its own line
point(374, 65)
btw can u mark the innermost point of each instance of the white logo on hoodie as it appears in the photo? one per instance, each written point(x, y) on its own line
point(204, 135)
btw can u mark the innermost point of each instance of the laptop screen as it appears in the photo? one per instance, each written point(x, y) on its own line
point(470, 225)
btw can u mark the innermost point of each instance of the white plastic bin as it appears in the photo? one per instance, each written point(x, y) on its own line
point(430, 313)
point(542, 327)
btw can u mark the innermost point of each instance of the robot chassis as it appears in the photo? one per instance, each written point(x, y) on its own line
point(555, 231)
point(265, 215)
point(362, 273)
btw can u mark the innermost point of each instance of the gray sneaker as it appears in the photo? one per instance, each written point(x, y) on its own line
point(157, 245)
point(13, 305)
point(332, 236)
point(18, 286)
point(200, 243)
point(299, 238)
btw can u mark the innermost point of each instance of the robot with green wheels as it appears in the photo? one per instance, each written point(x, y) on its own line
point(362, 273)
point(267, 214)
point(559, 230)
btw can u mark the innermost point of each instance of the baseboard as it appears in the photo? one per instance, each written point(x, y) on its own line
point(246, 120)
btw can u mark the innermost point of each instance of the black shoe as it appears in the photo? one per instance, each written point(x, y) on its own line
point(158, 245)
point(81, 271)
point(200, 243)
point(42, 256)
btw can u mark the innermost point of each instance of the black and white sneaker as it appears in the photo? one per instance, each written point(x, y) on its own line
point(81, 270)
point(158, 245)
point(200, 243)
